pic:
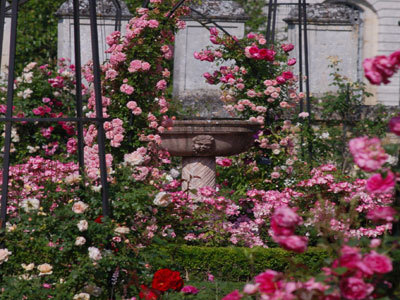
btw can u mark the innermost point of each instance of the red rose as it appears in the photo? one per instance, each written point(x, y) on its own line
point(147, 293)
point(166, 279)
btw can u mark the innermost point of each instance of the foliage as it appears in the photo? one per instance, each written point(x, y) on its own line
point(234, 263)
point(43, 91)
point(340, 116)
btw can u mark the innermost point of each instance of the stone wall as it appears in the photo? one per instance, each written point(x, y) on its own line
point(106, 24)
point(190, 87)
point(380, 35)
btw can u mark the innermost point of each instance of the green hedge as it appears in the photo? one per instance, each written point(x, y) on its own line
point(234, 263)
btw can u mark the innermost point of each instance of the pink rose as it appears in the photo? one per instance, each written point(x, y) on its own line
point(287, 47)
point(153, 23)
point(378, 263)
point(161, 85)
point(280, 79)
point(284, 220)
point(225, 162)
point(377, 184)
point(267, 282)
point(293, 243)
point(394, 125)
point(350, 257)
point(292, 62)
point(368, 153)
point(127, 89)
point(235, 295)
point(145, 66)
point(381, 214)
point(189, 289)
point(79, 207)
point(353, 288)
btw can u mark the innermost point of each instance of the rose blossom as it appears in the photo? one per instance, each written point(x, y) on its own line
point(127, 89)
point(284, 220)
point(235, 295)
point(368, 153)
point(94, 253)
point(378, 263)
point(121, 230)
point(162, 199)
point(268, 282)
point(29, 267)
point(293, 243)
point(394, 125)
point(4, 255)
point(81, 296)
point(250, 289)
point(30, 204)
point(45, 269)
point(377, 184)
point(80, 240)
point(82, 225)
point(79, 207)
point(381, 214)
point(189, 289)
point(355, 288)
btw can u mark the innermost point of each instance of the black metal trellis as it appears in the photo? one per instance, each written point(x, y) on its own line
point(79, 119)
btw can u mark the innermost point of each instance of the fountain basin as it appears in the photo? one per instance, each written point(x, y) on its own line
point(200, 141)
point(218, 137)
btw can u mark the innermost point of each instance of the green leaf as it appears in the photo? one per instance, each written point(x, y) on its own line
point(340, 270)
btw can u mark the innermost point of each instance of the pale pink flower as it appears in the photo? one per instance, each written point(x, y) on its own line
point(79, 207)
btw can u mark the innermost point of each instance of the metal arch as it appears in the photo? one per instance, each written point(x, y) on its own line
point(79, 119)
point(118, 16)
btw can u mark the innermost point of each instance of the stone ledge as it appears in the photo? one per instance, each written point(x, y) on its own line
point(222, 10)
point(105, 8)
point(325, 14)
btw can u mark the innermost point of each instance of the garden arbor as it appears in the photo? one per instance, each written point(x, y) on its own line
point(79, 119)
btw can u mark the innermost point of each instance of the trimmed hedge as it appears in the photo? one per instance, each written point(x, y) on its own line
point(234, 263)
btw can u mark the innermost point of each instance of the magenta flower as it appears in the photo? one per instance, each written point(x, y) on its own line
point(377, 184)
point(189, 289)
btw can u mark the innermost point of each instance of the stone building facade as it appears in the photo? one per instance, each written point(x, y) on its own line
point(374, 30)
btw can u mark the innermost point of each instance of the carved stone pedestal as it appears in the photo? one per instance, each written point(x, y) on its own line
point(198, 172)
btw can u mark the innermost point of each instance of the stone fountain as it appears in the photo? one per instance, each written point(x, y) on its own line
point(198, 142)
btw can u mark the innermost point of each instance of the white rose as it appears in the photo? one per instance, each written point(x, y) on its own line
point(45, 269)
point(79, 207)
point(122, 230)
point(174, 173)
point(80, 240)
point(4, 254)
point(28, 267)
point(94, 253)
point(83, 225)
point(162, 199)
point(30, 204)
point(82, 296)
point(133, 159)
point(72, 179)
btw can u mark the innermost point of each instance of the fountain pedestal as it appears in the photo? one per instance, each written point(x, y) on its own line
point(200, 141)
